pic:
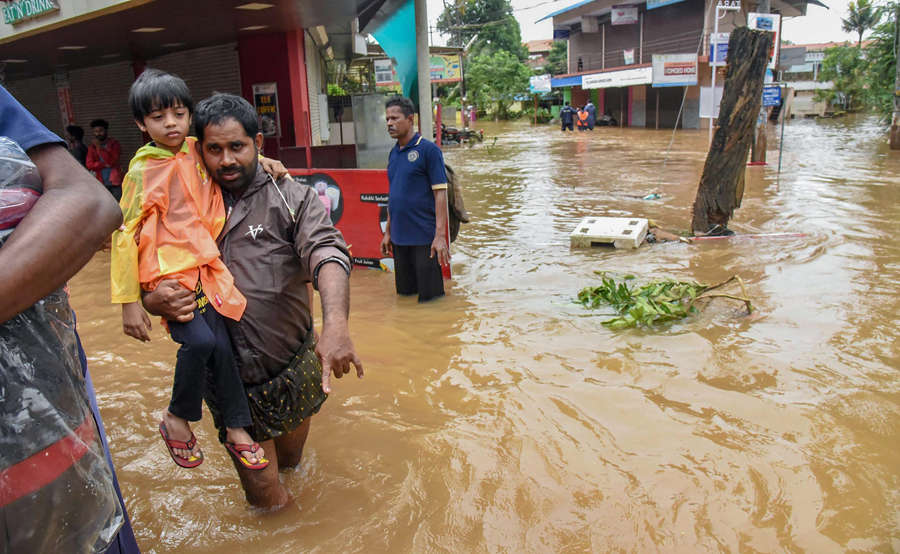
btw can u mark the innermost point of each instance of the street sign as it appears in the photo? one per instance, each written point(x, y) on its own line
point(539, 83)
point(729, 5)
point(718, 48)
point(771, 95)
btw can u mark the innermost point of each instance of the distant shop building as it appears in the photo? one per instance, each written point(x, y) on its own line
point(800, 67)
point(538, 51)
point(611, 49)
point(72, 61)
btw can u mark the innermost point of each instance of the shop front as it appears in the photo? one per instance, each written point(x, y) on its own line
point(74, 64)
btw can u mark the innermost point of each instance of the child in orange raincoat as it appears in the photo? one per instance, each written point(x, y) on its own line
point(173, 214)
point(582, 121)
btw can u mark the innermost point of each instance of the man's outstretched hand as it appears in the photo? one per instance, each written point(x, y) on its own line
point(336, 353)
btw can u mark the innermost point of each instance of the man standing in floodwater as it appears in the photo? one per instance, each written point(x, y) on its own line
point(277, 239)
point(591, 110)
point(416, 229)
point(567, 117)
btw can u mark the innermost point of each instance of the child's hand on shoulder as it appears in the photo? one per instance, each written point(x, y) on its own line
point(273, 167)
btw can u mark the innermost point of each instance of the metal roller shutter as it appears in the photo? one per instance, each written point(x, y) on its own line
point(101, 92)
point(205, 70)
point(38, 95)
point(314, 73)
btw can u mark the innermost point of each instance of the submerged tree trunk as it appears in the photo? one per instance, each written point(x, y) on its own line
point(722, 184)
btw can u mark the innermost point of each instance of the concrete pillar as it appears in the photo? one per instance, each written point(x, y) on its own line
point(426, 127)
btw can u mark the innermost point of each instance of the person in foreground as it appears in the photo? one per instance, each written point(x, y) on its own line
point(43, 505)
point(172, 216)
point(277, 238)
point(416, 229)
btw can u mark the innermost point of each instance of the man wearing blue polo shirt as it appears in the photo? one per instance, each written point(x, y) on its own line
point(416, 231)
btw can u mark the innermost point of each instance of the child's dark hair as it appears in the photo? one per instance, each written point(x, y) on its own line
point(156, 90)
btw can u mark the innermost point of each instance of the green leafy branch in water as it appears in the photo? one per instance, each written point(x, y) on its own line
point(657, 302)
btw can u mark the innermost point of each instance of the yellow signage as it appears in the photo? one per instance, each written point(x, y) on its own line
point(445, 68)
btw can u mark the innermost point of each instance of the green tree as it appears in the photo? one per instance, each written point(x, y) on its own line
point(846, 67)
point(558, 58)
point(881, 68)
point(862, 16)
point(494, 80)
point(491, 20)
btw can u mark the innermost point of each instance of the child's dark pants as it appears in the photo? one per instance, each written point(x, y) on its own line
point(205, 344)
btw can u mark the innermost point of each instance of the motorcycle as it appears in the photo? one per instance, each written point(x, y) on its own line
point(458, 136)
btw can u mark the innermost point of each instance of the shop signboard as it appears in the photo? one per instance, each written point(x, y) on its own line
point(357, 201)
point(653, 4)
point(767, 22)
point(623, 15)
point(384, 73)
point(539, 83)
point(64, 98)
point(718, 48)
point(623, 78)
point(674, 70)
point(729, 5)
point(445, 68)
point(265, 99)
point(23, 10)
point(771, 95)
point(814, 57)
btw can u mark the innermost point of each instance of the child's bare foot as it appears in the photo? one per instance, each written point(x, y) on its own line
point(180, 430)
point(237, 435)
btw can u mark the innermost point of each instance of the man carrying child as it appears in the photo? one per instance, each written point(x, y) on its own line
point(276, 240)
point(173, 215)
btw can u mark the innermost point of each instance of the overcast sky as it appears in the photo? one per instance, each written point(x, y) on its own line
point(819, 24)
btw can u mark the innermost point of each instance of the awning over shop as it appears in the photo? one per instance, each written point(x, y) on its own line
point(391, 26)
point(639, 75)
point(566, 81)
point(82, 34)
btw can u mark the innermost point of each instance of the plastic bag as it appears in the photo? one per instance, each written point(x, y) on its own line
point(56, 489)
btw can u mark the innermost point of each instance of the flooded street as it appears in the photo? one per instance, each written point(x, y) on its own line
point(506, 418)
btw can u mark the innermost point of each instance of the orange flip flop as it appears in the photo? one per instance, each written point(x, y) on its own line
point(171, 444)
point(236, 450)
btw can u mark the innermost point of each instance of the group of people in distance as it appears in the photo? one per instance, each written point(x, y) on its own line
point(227, 248)
point(583, 118)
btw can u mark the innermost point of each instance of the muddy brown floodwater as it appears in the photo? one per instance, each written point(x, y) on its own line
point(505, 418)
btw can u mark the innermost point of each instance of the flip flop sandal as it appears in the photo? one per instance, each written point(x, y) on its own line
point(172, 444)
point(237, 451)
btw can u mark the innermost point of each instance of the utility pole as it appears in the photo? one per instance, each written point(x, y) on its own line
point(423, 61)
point(758, 152)
point(895, 121)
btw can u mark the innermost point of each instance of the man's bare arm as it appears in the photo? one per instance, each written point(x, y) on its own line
point(439, 246)
point(335, 349)
point(66, 226)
